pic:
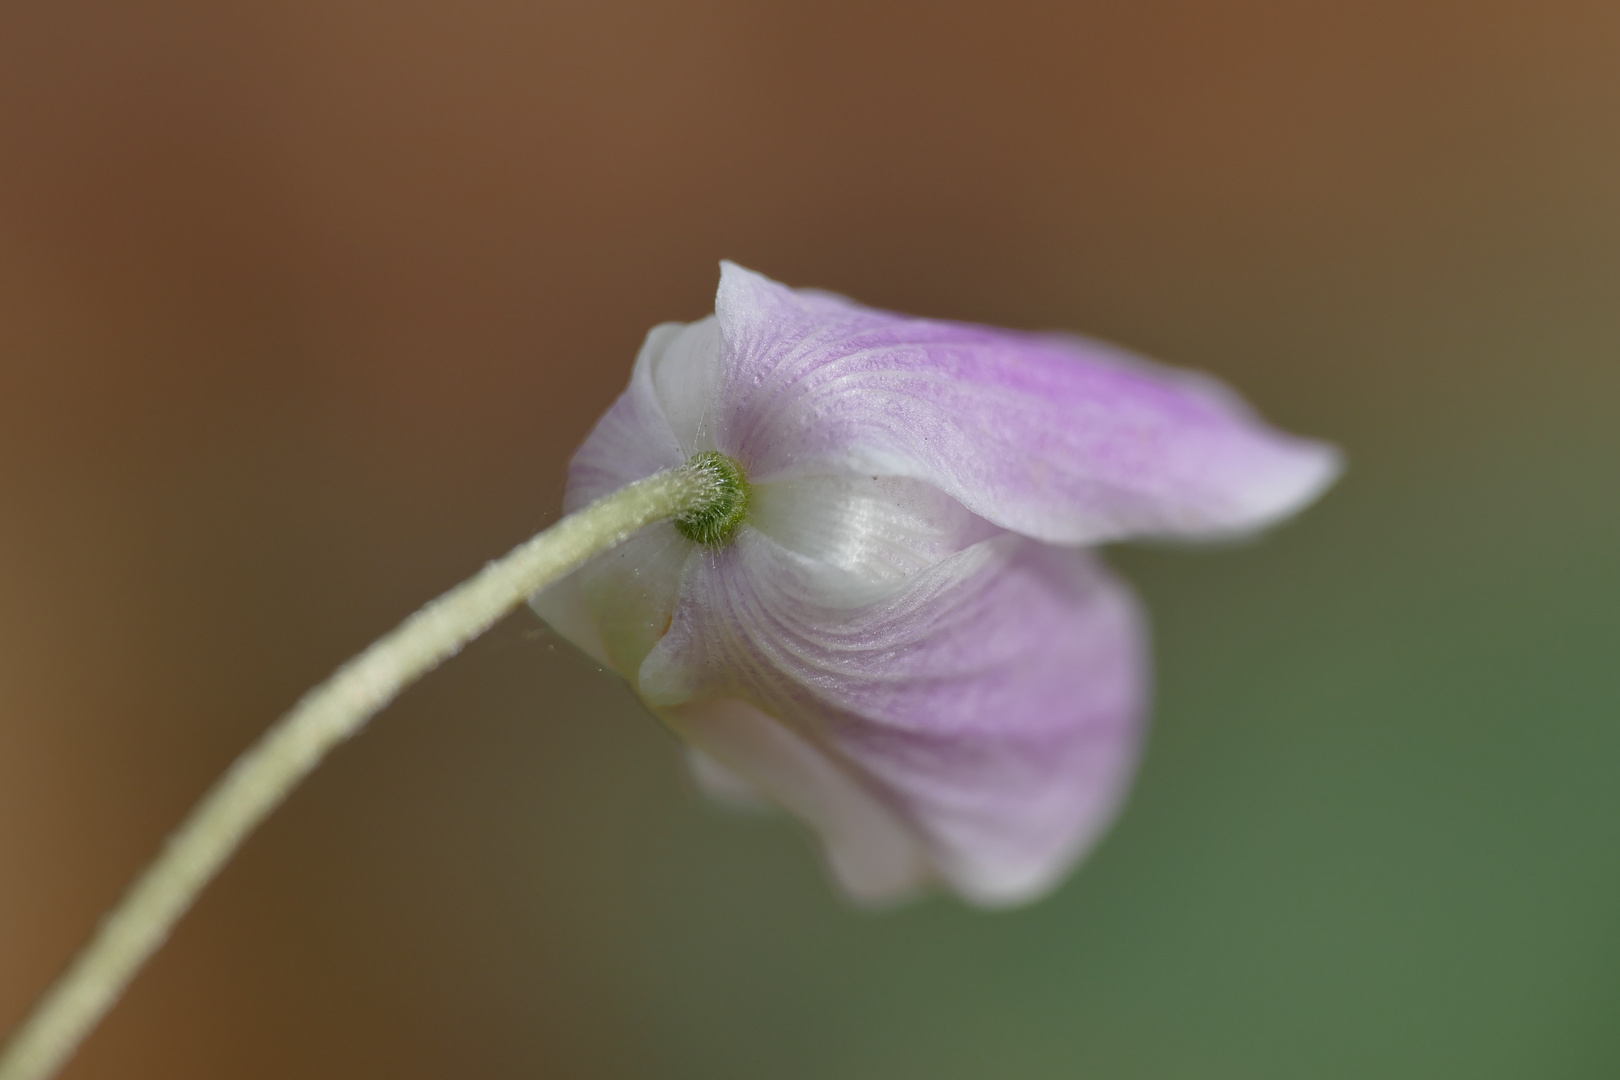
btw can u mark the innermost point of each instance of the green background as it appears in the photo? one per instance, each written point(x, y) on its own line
point(303, 307)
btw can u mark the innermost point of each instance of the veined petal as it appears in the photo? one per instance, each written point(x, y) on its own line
point(1061, 439)
point(992, 702)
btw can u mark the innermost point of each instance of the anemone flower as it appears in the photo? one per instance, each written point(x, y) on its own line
point(897, 630)
point(845, 554)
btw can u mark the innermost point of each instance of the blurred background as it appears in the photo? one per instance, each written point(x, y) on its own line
point(303, 307)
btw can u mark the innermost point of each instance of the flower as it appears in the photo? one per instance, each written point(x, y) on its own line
point(901, 636)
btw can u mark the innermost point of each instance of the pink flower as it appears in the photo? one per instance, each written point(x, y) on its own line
point(905, 641)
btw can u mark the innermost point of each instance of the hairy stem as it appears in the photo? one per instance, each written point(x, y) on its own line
point(289, 751)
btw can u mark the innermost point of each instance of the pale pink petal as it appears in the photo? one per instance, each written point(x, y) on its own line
point(993, 702)
point(1061, 439)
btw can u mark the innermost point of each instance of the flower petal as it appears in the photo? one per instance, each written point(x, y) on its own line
point(871, 849)
point(617, 606)
point(722, 783)
point(876, 527)
point(563, 607)
point(660, 420)
point(993, 702)
point(1061, 439)
point(685, 368)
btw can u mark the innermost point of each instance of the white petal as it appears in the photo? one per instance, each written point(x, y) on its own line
point(723, 784)
point(685, 367)
point(874, 855)
point(562, 605)
point(617, 606)
point(877, 528)
point(631, 591)
point(660, 420)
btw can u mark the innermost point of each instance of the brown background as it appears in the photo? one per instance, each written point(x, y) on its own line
point(303, 307)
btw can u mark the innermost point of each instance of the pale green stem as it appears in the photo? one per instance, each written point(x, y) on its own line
point(335, 710)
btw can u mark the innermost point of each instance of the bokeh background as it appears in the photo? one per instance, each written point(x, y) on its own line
point(303, 307)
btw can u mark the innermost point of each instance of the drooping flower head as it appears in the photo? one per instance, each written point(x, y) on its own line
point(898, 633)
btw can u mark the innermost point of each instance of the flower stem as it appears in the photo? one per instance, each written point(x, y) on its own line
point(338, 708)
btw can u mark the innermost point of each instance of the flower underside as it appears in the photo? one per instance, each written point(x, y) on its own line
point(715, 520)
point(910, 646)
